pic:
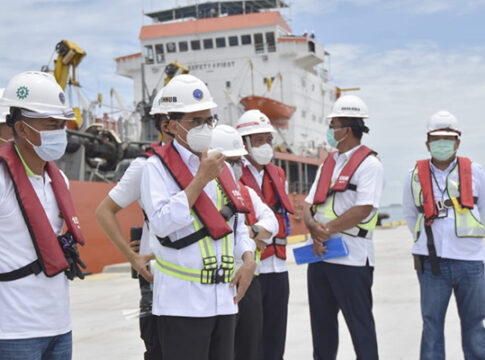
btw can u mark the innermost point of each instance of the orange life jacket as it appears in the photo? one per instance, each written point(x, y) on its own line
point(49, 252)
point(324, 188)
point(273, 193)
point(214, 222)
point(466, 191)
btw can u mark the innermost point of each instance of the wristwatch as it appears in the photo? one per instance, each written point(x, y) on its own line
point(255, 229)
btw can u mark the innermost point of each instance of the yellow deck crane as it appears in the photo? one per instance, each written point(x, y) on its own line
point(69, 55)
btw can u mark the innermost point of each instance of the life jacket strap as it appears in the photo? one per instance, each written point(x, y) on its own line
point(32, 268)
point(447, 203)
point(227, 212)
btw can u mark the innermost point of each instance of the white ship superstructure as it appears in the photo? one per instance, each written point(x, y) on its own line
point(240, 49)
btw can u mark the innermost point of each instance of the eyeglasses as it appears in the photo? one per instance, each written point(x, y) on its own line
point(210, 121)
point(336, 127)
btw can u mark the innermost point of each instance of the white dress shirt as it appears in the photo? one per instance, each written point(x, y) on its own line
point(128, 190)
point(369, 179)
point(168, 211)
point(35, 305)
point(265, 218)
point(447, 244)
point(272, 264)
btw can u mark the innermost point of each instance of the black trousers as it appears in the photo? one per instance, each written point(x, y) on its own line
point(249, 328)
point(148, 323)
point(334, 287)
point(275, 291)
point(191, 338)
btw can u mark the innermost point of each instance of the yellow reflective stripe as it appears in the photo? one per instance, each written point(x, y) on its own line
point(178, 271)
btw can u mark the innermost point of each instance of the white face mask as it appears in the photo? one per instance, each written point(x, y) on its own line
point(261, 154)
point(198, 138)
point(53, 143)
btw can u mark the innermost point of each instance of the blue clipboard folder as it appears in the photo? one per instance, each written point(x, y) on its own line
point(336, 248)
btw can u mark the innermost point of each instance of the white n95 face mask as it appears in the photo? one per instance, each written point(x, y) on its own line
point(53, 143)
point(262, 154)
point(198, 138)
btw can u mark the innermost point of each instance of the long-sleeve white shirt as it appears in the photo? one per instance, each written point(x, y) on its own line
point(272, 264)
point(447, 244)
point(369, 179)
point(169, 214)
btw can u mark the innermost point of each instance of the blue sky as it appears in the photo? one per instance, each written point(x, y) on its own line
point(411, 58)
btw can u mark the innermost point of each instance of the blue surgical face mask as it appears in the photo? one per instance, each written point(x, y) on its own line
point(53, 143)
point(442, 149)
point(331, 138)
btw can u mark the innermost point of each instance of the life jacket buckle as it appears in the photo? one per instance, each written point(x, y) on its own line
point(442, 209)
point(227, 262)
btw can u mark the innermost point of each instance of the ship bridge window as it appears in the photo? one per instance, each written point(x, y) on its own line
point(148, 50)
point(233, 41)
point(195, 44)
point(311, 46)
point(245, 39)
point(208, 44)
point(171, 47)
point(221, 42)
point(270, 42)
point(183, 46)
point(258, 43)
point(159, 55)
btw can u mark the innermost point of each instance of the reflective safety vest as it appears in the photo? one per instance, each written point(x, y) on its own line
point(273, 193)
point(210, 222)
point(51, 259)
point(323, 203)
point(460, 198)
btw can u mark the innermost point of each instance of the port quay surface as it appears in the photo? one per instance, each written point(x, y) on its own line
point(102, 303)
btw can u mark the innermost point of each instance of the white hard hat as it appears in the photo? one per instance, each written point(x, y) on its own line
point(185, 93)
point(254, 122)
point(349, 106)
point(228, 140)
point(3, 110)
point(37, 92)
point(158, 107)
point(443, 123)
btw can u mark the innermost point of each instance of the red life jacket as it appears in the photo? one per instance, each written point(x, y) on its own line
point(343, 181)
point(274, 195)
point(466, 191)
point(49, 252)
point(151, 150)
point(251, 215)
point(203, 207)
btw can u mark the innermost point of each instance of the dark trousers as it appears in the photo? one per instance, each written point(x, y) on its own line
point(148, 323)
point(249, 328)
point(275, 291)
point(191, 338)
point(334, 287)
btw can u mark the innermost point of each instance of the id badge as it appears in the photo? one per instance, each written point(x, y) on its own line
point(442, 209)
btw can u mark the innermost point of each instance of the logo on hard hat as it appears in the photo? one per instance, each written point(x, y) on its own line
point(198, 94)
point(22, 92)
point(62, 98)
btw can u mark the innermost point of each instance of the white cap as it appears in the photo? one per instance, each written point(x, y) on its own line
point(39, 93)
point(350, 106)
point(185, 93)
point(443, 123)
point(254, 122)
point(228, 140)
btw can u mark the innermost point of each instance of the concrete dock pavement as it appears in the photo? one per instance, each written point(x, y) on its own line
point(102, 303)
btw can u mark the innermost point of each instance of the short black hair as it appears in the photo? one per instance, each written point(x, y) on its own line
point(158, 119)
point(12, 117)
point(176, 115)
point(356, 125)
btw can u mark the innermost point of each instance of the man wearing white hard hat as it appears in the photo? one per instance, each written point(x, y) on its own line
point(191, 201)
point(342, 203)
point(6, 132)
point(269, 182)
point(262, 225)
point(36, 261)
point(444, 206)
point(137, 252)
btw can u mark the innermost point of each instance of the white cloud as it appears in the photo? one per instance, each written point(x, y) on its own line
point(403, 88)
